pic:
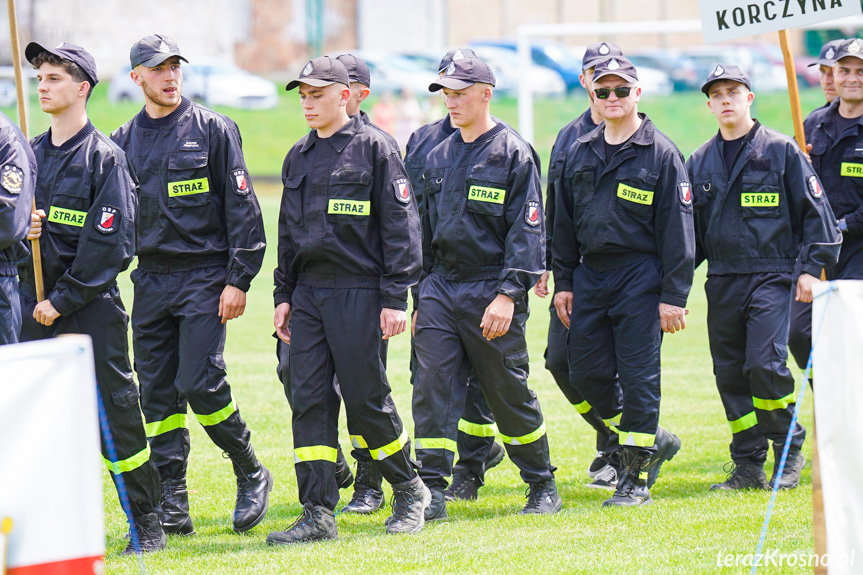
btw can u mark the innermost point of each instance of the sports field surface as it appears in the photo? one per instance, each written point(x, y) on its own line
point(687, 529)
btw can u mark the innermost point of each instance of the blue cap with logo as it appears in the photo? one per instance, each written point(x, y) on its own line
point(723, 72)
point(67, 51)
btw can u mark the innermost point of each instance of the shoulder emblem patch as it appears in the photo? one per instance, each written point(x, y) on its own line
point(241, 182)
point(685, 189)
point(12, 178)
point(402, 190)
point(533, 213)
point(815, 187)
point(108, 220)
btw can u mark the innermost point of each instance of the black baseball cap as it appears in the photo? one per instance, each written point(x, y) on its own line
point(320, 72)
point(827, 56)
point(852, 48)
point(456, 54)
point(358, 70)
point(152, 50)
point(463, 73)
point(597, 52)
point(721, 72)
point(67, 51)
point(616, 66)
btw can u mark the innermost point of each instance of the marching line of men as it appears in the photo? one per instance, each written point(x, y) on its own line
point(461, 224)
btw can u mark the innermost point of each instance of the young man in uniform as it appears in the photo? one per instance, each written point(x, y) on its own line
point(835, 138)
point(200, 243)
point(825, 61)
point(623, 242)
point(604, 469)
point(477, 450)
point(758, 207)
point(86, 190)
point(349, 250)
point(483, 239)
point(17, 184)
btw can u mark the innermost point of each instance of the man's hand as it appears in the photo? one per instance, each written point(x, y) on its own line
point(414, 323)
point(232, 304)
point(280, 321)
point(45, 313)
point(541, 287)
point(497, 317)
point(805, 283)
point(672, 318)
point(393, 322)
point(36, 227)
point(563, 305)
point(807, 151)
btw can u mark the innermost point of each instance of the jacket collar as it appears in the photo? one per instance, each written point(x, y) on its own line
point(341, 138)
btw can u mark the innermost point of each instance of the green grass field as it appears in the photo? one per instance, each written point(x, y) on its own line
point(684, 531)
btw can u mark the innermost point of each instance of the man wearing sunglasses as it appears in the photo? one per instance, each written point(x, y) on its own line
point(757, 201)
point(623, 241)
point(604, 469)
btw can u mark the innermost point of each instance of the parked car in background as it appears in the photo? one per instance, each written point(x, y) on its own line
point(681, 69)
point(765, 76)
point(565, 60)
point(504, 63)
point(210, 80)
point(806, 76)
point(394, 72)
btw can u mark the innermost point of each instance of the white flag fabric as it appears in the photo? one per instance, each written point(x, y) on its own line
point(51, 479)
point(838, 381)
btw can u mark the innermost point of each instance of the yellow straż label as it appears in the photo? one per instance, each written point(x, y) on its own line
point(751, 200)
point(350, 207)
point(853, 170)
point(188, 187)
point(67, 217)
point(491, 195)
point(634, 195)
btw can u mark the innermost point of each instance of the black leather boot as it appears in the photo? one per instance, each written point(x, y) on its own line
point(254, 483)
point(150, 536)
point(175, 507)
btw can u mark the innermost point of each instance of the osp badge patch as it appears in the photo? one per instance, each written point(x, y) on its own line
point(685, 189)
point(242, 182)
point(815, 187)
point(12, 178)
point(402, 189)
point(533, 213)
point(108, 221)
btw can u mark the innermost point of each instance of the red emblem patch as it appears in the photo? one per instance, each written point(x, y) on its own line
point(402, 190)
point(533, 213)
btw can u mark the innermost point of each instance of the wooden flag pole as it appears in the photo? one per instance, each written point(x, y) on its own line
point(793, 92)
point(22, 122)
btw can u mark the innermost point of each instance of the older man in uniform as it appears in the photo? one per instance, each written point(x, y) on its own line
point(88, 193)
point(17, 184)
point(482, 250)
point(758, 207)
point(348, 253)
point(200, 244)
point(605, 468)
point(623, 242)
point(477, 450)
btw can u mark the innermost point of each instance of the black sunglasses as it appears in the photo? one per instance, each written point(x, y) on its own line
point(621, 92)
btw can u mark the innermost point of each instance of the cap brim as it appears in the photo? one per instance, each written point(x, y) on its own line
point(592, 63)
point(158, 59)
point(706, 87)
point(33, 49)
point(451, 83)
point(849, 55)
point(822, 62)
point(623, 76)
point(310, 81)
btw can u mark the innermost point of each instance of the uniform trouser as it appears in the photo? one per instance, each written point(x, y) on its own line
point(448, 343)
point(10, 310)
point(614, 340)
point(747, 323)
point(105, 320)
point(336, 332)
point(283, 352)
point(178, 341)
point(557, 362)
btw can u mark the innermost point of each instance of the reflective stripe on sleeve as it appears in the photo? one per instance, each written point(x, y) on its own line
point(176, 421)
point(582, 407)
point(219, 416)
point(436, 443)
point(477, 429)
point(359, 442)
point(130, 463)
point(748, 421)
point(315, 453)
point(773, 404)
point(525, 439)
point(390, 448)
point(633, 438)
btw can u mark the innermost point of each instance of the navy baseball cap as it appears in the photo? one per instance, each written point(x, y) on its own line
point(828, 53)
point(456, 54)
point(596, 53)
point(463, 73)
point(617, 66)
point(320, 72)
point(849, 48)
point(358, 70)
point(67, 51)
point(152, 50)
point(730, 73)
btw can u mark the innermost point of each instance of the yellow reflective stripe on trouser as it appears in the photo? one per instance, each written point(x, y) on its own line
point(130, 463)
point(525, 439)
point(582, 407)
point(477, 429)
point(176, 421)
point(748, 421)
point(359, 442)
point(436, 443)
point(390, 448)
point(219, 416)
point(773, 404)
point(315, 453)
point(633, 438)
point(613, 423)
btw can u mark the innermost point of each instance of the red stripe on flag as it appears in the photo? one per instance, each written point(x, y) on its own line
point(81, 566)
